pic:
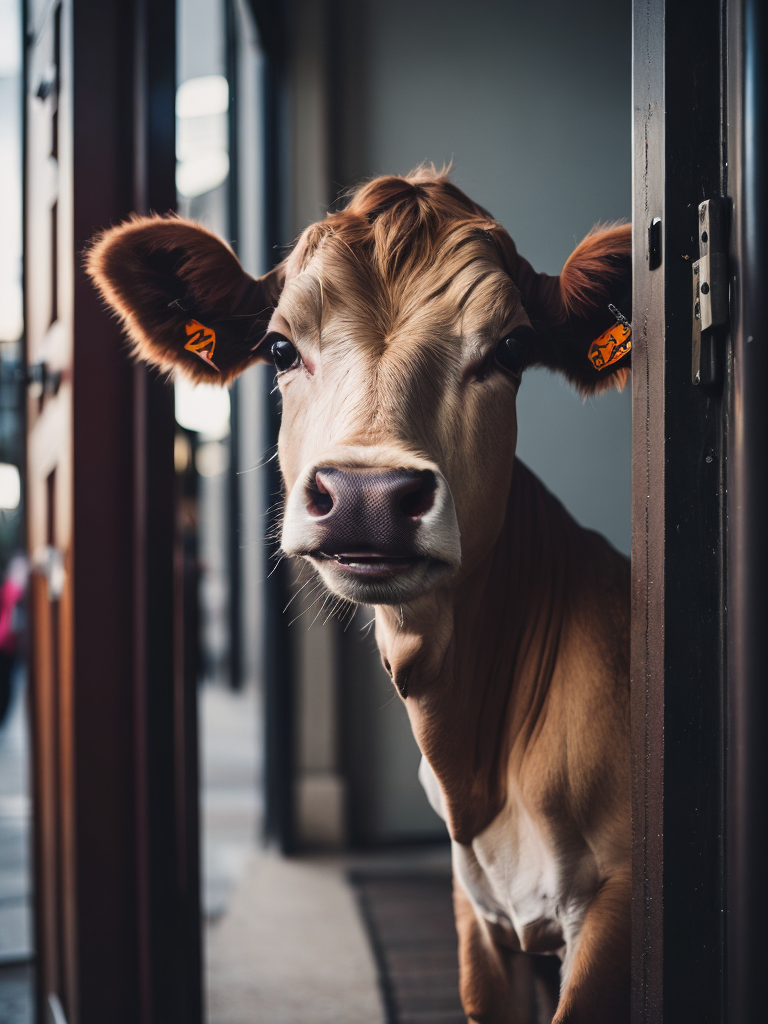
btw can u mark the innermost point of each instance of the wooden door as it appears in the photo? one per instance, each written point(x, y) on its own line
point(117, 901)
point(49, 320)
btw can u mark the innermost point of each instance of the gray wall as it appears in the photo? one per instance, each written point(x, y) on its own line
point(531, 103)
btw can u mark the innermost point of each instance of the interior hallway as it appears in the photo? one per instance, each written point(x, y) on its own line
point(286, 939)
point(291, 949)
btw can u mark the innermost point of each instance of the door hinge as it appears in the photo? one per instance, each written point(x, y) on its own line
point(710, 294)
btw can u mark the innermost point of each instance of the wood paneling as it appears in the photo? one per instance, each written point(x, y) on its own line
point(114, 726)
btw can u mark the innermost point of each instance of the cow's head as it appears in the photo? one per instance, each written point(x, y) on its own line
point(399, 328)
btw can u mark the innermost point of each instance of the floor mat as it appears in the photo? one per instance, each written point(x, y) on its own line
point(410, 922)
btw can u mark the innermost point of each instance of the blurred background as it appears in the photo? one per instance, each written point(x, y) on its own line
point(186, 751)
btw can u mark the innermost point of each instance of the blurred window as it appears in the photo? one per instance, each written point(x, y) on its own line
point(219, 183)
point(16, 949)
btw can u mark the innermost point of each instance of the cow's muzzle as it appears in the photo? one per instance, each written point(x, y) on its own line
point(377, 535)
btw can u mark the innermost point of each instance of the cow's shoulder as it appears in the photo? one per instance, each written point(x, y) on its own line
point(576, 763)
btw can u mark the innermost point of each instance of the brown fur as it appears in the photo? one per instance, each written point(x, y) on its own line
point(394, 231)
point(516, 669)
point(531, 692)
point(398, 229)
point(147, 263)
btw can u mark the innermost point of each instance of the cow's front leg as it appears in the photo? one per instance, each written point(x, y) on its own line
point(497, 984)
point(596, 989)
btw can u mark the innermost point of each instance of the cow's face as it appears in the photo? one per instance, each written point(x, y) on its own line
point(399, 330)
point(398, 426)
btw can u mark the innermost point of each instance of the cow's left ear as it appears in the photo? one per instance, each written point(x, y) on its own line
point(183, 298)
point(582, 317)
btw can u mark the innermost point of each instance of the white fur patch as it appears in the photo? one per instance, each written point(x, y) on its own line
point(537, 888)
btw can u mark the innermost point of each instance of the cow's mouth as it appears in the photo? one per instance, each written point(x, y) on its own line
point(377, 577)
point(370, 565)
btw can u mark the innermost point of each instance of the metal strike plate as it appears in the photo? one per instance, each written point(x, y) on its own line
point(710, 294)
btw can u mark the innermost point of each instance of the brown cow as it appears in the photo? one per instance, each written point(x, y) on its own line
point(400, 328)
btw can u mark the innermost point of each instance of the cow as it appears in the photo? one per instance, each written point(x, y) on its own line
point(400, 328)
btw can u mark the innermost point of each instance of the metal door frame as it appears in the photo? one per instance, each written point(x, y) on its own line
point(747, 488)
point(700, 500)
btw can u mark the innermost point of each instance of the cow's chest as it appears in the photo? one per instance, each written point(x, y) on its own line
point(522, 875)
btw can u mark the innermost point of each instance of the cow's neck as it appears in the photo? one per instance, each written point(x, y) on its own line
point(476, 661)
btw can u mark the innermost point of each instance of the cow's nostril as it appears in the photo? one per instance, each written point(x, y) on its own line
point(319, 498)
point(419, 497)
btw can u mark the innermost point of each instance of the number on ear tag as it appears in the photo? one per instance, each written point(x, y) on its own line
point(202, 342)
point(611, 346)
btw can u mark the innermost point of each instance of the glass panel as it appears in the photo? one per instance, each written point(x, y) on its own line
point(219, 184)
point(15, 804)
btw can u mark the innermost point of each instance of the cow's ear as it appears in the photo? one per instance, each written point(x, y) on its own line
point(184, 300)
point(577, 331)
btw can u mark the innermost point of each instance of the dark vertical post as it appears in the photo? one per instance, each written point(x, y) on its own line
point(167, 797)
point(104, 946)
point(647, 514)
point(278, 661)
point(677, 550)
point(233, 490)
point(748, 509)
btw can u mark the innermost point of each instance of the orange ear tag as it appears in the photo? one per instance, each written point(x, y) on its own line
point(201, 341)
point(611, 346)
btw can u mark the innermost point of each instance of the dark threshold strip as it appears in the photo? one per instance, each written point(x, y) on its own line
point(410, 923)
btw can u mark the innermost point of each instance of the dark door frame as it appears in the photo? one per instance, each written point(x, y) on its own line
point(678, 559)
point(279, 703)
point(131, 932)
point(747, 484)
point(700, 502)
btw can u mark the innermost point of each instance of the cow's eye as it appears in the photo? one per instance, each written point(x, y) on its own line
point(284, 353)
point(511, 350)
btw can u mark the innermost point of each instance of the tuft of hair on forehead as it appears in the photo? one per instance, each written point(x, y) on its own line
point(409, 217)
point(401, 243)
point(394, 224)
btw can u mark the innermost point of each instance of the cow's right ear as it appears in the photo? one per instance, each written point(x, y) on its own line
point(581, 317)
point(184, 300)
